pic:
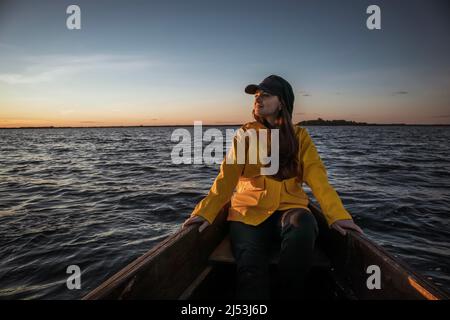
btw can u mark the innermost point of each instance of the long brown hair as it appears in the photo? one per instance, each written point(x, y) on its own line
point(288, 167)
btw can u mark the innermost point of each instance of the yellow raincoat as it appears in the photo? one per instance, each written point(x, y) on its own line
point(254, 197)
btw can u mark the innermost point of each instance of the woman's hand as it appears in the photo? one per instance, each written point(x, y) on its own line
point(342, 225)
point(196, 220)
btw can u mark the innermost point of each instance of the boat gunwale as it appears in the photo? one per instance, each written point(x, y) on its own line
point(426, 289)
point(429, 290)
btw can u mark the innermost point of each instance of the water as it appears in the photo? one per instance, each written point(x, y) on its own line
point(100, 197)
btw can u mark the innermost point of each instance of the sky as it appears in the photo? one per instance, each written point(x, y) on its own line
point(175, 62)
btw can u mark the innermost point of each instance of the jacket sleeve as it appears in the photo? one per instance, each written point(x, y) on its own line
point(315, 176)
point(223, 186)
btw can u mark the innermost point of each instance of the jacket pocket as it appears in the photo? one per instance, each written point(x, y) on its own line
point(294, 190)
point(248, 192)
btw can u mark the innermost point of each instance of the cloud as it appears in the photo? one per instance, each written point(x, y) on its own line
point(399, 93)
point(49, 68)
point(304, 94)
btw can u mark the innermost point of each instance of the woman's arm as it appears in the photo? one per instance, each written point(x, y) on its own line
point(222, 188)
point(315, 176)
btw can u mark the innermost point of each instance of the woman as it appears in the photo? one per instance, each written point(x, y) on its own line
point(265, 209)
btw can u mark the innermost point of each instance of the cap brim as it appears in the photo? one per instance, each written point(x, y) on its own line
point(252, 88)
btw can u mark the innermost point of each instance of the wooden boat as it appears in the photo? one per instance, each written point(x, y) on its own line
point(194, 265)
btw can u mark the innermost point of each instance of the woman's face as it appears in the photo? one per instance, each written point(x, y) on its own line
point(266, 105)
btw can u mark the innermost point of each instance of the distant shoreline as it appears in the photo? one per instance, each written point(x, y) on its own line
point(318, 122)
point(322, 122)
point(237, 125)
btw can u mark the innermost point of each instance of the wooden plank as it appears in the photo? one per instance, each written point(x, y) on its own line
point(195, 284)
point(222, 253)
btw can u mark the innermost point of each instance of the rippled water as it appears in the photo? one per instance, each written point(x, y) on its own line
point(100, 197)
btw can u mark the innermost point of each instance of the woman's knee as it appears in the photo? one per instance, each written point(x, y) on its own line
point(308, 221)
point(307, 228)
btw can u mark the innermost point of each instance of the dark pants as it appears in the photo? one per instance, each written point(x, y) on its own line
point(252, 246)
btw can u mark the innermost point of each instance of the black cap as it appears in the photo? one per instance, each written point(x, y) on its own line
point(277, 86)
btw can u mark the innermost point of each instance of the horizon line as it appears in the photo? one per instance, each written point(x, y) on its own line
point(227, 125)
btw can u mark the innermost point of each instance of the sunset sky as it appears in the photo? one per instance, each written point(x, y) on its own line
point(173, 62)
